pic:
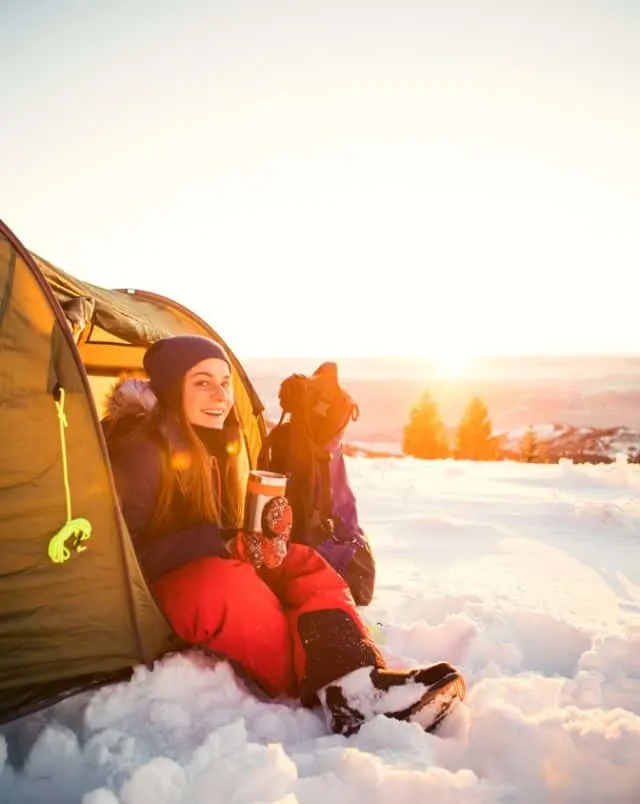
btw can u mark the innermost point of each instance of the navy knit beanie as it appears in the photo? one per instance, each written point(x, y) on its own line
point(167, 361)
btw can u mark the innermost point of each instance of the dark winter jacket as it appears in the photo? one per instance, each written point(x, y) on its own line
point(136, 458)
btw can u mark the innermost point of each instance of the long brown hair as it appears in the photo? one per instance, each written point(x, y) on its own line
point(195, 474)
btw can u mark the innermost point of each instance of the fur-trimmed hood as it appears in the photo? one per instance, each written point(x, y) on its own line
point(129, 398)
point(129, 406)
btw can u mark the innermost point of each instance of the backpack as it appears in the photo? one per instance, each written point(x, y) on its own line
point(306, 446)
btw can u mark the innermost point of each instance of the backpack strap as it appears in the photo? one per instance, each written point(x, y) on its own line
point(324, 511)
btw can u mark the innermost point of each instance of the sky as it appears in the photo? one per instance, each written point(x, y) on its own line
point(525, 576)
point(348, 178)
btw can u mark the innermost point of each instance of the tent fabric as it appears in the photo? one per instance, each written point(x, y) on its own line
point(117, 311)
point(66, 625)
point(126, 321)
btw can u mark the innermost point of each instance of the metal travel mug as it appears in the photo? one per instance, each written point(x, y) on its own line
point(262, 487)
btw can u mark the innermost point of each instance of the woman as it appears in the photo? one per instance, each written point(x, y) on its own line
point(277, 610)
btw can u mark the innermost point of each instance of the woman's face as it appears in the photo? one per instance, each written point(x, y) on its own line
point(207, 394)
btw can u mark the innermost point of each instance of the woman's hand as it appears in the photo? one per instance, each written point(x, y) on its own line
point(268, 548)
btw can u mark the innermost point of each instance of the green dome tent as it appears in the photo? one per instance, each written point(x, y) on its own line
point(74, 608)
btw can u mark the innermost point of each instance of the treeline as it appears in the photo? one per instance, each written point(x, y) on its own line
point(425, 435)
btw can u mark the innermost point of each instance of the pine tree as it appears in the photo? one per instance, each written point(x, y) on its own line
point(473, 436)
point(529, 446)
point(425, 435)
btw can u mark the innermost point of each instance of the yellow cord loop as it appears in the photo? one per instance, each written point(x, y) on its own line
point(80, 529)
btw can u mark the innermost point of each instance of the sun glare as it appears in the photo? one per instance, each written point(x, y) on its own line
point(453, 364)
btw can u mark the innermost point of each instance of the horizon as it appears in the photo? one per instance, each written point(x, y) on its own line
point(583, 391)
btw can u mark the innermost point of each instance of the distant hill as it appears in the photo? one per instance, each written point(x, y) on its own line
point(581, 444)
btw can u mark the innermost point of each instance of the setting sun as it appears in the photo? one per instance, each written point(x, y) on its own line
point(453, 363)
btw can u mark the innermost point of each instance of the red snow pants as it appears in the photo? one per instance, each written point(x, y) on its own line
point(253, 618)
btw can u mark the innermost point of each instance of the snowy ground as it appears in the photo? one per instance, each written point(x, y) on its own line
point(525, 576)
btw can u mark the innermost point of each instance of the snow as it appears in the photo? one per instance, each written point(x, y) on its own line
point(525, 576)
point(385, 448)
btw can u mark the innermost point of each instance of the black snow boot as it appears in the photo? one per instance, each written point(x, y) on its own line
point(422, 695)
